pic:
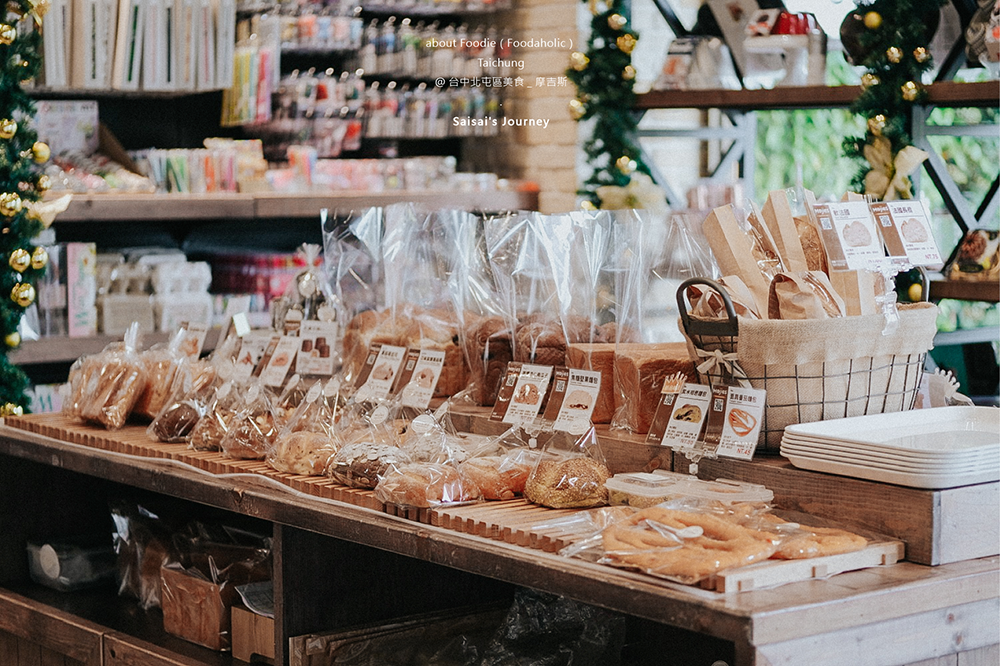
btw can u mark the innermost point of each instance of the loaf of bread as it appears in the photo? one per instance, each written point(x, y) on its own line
point(250, 436)
point(302, 452)
point(360, 464)
point(568, 483)
point(161, 367)
point(812, 244)
point(425, 485)
point(489, 348)
point(598, 357)
point(639, 373)
point(497, 477)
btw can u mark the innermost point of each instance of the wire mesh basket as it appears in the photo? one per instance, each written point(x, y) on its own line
point(812, 369)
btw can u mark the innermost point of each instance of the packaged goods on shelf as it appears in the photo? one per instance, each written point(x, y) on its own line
point(72, 564)
point(73, 172)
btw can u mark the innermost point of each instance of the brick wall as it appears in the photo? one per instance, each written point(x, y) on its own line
point(547, 155)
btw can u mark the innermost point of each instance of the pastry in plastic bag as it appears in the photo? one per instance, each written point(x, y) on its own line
point(209, 431)
point(307, 443)
point(425, 485)
point(161, 363)
point(191, 395)
point(105, 387)
point(570, 477)
point(360, 464)
point(252, 430)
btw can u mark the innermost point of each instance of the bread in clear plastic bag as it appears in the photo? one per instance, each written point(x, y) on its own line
point(361, 463)
point(191, 393)
point(307, 443)
point(503, 472)
point(104, 387)
point(425, 485)
point(252, 430)
point(209, 431)
point(571, 476)
point(161, 363)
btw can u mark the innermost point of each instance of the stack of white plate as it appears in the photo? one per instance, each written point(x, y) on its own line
point(935, 448)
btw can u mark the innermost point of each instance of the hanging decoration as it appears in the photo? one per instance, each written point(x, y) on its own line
point(889, 38)
point(21, 185)
point(604, 76)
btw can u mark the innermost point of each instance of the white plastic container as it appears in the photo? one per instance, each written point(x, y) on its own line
point(68, 566)
point(643, 489)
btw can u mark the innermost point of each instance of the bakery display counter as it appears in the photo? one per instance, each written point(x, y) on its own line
point(381, 563)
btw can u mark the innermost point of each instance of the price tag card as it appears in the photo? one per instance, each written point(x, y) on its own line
point(741, 426)
point(906, 231)
point(687, 414)
point(255, 354)
point(572, 400)
point(378, 375)
point(849, 233)
point(419, 377)
point(280, 362)
point(315, 353)
point(672, 386)
point(520, 397)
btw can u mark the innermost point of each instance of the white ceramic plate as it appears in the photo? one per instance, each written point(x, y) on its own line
point(883, 463)
point(958, 458)
point(927, 481)
point(926, 430)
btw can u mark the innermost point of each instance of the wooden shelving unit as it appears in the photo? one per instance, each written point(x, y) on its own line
point(62, 349)
point(181, 207)
point(949, 93)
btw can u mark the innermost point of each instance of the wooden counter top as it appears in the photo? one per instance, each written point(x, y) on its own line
point(956, 600)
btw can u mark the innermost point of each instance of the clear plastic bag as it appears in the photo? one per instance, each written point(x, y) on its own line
point(105, 387)
point(209, 431)
point(161, 363)
point(569, 476)
point(425, 485)
point(307, 443)
point(502, 473)
point(191, 393)
point(252, 430)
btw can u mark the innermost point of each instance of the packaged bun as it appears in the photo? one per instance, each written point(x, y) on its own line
point(161, 363)
point(191, 393)
point(812, 244)
point(360, 464)
point(252, 430)
point(425, 485)
point(569, 477)
point(209, 431)
point(306, 444)
point(105, 387)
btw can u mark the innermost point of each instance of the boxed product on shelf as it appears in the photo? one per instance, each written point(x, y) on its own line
point(81, 289)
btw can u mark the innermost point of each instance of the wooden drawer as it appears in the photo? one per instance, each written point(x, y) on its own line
point(50, 629)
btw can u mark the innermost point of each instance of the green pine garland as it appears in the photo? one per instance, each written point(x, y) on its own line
point(603, 76)
point(894, 43)
point(20, 61)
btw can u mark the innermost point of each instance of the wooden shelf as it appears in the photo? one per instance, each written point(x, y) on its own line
point(62, 349)
point(179, 207)
point(965, 290)
point(809, 97)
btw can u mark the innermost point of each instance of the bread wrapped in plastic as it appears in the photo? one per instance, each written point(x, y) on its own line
point(306, 444)
point(161, 363)
point(209, 431)
point(639, 374)
point(252, 430)
point(425, 485)
point(572, 476)
point(191, 394)
point(104, 387)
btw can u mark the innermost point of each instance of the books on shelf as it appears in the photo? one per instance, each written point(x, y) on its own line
point(156, 45)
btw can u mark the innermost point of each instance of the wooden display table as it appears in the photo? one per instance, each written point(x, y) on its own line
point(377, 565)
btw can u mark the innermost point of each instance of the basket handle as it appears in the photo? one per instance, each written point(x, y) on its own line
point(728, 327)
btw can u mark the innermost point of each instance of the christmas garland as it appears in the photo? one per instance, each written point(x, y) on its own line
point(21, 187)
point(603, 76)
point(891, 44)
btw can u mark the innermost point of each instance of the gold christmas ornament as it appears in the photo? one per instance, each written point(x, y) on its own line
point(869, 80)
point(13, 340)
point(39, 258)
point(19, 260)
point(910, 91)
point(39, 9)
point(576, 109)
point(626, 43)
point(628, 73)
point(8, 128)
point(876, 124)
point(873, 20)
point(8, 34)
point(598, 7)
point(10, 409)
point(588, 205)
point(43, 183)
point(23, 294)
point(625, 164)
point(894, 54)
point(921, 55)
point(617, 21)
point(41, 152)
point(10, 204)
point(578, 61)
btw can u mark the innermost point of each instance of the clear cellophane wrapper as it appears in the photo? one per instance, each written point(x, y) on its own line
point(104, 387)
point(501, 468)
point(253, 429)
point(307, 442)
point(762, 245)
point(485, 324)
point(209, 431)
point(352, 261)
point(425, 485)
point(289, 397)
point(191, 393)
point(162, 363)
point(370, 432)
point(569, 474)
point(687, 540)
